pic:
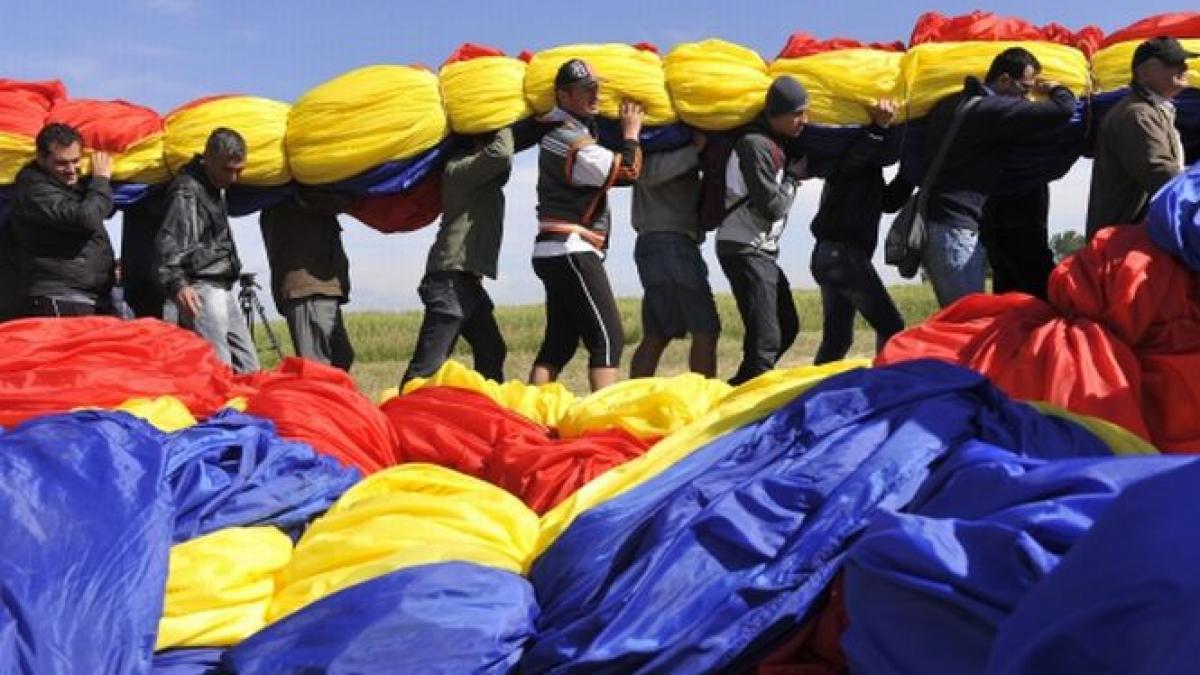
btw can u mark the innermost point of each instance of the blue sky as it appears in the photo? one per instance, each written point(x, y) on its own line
point(163, 53)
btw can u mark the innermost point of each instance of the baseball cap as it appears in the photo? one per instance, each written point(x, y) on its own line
point(1165, 49)
point(575, 72)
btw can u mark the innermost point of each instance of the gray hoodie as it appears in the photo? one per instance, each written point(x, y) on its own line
point(756, 169)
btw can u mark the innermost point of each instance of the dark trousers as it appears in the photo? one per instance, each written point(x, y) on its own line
point(765, 303)
point(579, 306)
point(457, 304)
point(1015, 233)
point(850, 285)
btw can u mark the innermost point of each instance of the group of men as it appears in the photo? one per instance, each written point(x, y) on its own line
point(181, 263)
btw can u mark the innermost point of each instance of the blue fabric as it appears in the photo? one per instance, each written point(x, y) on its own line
point(198, 661)
point(394, 177)
point(652, 139)
point(706, 565)
point(926, 590)
point(243, 200)
point(128, 194)
point(83, 546)
point(824, 146)
point(443, 618)
point(235, 471)
point(1124, 599)
point(1173, 221)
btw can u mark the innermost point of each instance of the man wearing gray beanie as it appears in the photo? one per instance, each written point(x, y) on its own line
point(760, 186)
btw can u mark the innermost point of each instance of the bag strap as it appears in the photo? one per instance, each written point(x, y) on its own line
point(939, 159)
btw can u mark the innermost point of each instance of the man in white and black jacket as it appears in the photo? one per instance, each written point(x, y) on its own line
point(760, 186)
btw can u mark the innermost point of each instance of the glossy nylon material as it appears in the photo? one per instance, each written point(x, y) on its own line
point(449, 618)
point(219, 587)
point(1113, 64)
point(83, 550)
point(24, 107)
point(625, 72)
point(1140, 558)
point(716, 85)
point(927, 590)
point(262, 122)
point(484, 94)
point(235, 471)
point(544, 404)
point(132, 133)
point(1174, 218)
point(703, 567)
point(405, 516)
point(362, 119)
point(646, 407)
point(844, 83)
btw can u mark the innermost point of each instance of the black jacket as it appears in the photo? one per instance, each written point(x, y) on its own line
point(855, 194)
point(195, 242)
point(59, 232)
point(972, 167)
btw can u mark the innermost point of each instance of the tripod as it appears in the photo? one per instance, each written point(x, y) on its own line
point(250, 305)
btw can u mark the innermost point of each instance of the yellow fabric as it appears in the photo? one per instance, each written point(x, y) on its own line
point(544, 404)
point(362, 119)
point(412, 514)
point(15, 152)
point(238, 403)
point(484, 94)
point(261, 121)
point(716, 85)
point(1116, 437)
point(842, 84)
point(388, 394)
point(744, 405)
point(645, 407)
point(166, 413)
point(933, 71)
point(142, 162)
point(1113, 65)
point(624, 71)
point(219, 586)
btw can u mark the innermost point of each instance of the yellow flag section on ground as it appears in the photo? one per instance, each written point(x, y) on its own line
point(933, 71)
point(545, 404)
point(746, 404)
point(645, 407)
point(261, 121)
point(1116, 437)
point(220, 586)
point(716, 85)
point(408, 515)
point(843, 84)
point(625, 72)
point(15, 152)
point(166, 413)
point(362, 119)
point(484, 94)
point(1113, 65)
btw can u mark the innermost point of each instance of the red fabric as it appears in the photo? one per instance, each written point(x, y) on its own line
point(1120, 339)
point(25, 105)
point(1175, 24)
point(469, 432)
point(525, 55)
point(455, 428)
point(199, 102)
point(111, 126)
point(991, 27)
point(802, 44)
point(646, 47)
point(816, 648)
point(470, 50)
point(319, 405)
point(54, 365)
point(403, 212)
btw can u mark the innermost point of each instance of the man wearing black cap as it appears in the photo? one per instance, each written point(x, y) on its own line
point(574, 176)
point(760, 186)
point(1138, 148)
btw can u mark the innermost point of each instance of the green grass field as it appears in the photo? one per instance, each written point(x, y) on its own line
point(383, 341)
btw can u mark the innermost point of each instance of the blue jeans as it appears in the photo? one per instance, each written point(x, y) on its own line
point(953, 260)
point(219, 322)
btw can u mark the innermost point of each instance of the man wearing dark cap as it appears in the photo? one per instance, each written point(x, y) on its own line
point(574, 176)
point(760, 186)
point(1138, 148)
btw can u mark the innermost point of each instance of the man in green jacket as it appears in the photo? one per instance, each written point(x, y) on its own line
point(1138, 149)
point(466, 250)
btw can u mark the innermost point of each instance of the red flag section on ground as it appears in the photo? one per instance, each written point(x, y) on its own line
point(1119, 340)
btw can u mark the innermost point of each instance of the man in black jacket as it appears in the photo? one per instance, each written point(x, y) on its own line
point(846, 228)
point(66, 260)
point(953, 256)
point(197, 258)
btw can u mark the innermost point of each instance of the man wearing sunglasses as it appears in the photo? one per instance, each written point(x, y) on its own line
point(1002, 118)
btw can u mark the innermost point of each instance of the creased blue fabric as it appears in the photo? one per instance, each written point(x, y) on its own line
point(447, 618)
point(85, 527)
point(192, 661)
point(1173, 222)
point(708, 564)
point(235, 471)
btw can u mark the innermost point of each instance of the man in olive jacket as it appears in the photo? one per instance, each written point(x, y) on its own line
point(1138, 149)
point(467, 249)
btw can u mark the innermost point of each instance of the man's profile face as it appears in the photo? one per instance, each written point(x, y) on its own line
point(580, 99)
point(62, 162)
point(223, 171)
